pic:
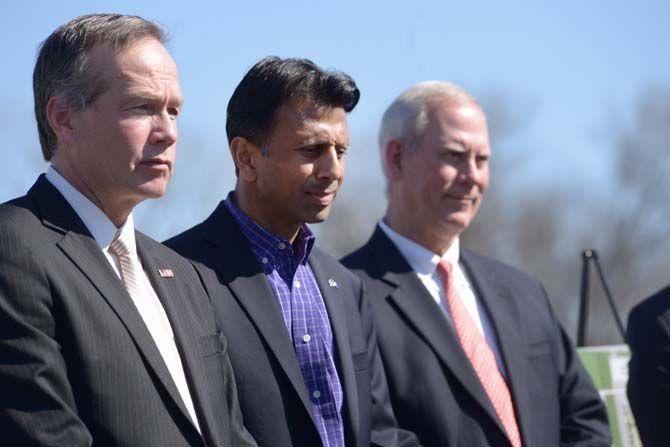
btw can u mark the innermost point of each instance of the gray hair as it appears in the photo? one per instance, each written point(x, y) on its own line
point(406, 118)
point(63, 67)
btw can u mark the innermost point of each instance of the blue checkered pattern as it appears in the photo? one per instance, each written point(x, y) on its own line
point(305, 317)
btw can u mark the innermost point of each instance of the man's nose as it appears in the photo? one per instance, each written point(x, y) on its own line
point(330, 165)
point(468, 171)
point(165, 129)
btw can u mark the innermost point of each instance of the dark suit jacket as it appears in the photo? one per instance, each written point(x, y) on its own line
point(434, 389)
point(649, 370)
point(273, 397)
point(78, 366)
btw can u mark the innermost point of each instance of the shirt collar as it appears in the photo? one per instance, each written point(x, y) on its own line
point(265, 243)
point(422, 260)
point(98, 224)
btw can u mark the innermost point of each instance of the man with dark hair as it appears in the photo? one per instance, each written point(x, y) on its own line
point(107, 338)
point(473, 353)
point(649, 369)
point(300, 336)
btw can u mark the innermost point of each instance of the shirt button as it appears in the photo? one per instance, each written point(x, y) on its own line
point(316, 394)
point(297, 284)
point(306, 338)
point(282, 245)
point(264, 260)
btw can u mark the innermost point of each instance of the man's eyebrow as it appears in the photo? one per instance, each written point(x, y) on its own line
point(318, 143)
point(455, 144)
point(134, 95)
point(321, 143)
point(179, 100)
point(460, 145)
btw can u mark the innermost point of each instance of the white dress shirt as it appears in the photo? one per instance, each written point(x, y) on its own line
point(424, 263)
point(150, 309)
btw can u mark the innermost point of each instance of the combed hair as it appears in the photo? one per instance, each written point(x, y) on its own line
point(63, 67)
point(406, 118)
point(273, 82)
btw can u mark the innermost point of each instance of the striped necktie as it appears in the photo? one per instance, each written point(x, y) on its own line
point(481, 356)
point(152, 312)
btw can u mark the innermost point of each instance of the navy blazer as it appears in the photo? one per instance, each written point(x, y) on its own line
point(273, 397)
point(434, 389)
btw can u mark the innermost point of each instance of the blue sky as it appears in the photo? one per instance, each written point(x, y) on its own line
point(564, 68)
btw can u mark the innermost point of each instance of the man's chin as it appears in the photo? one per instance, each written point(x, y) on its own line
point(152, 189)
point(318, 216)
point(457, 222)
point(142, 195)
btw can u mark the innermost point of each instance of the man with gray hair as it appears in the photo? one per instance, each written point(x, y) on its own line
point(473, 353)
point(107, 338)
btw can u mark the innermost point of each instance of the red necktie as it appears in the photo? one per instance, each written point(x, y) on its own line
point(481, 356)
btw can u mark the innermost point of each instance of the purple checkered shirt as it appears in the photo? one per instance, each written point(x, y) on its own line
point(304, 312)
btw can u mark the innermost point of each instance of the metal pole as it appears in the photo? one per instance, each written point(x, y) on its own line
point(583, 317)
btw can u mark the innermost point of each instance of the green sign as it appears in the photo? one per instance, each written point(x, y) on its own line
point(608, 367)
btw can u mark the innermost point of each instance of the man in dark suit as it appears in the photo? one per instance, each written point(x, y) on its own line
point(106, 337)
point(649, 369)
point(473, 353)
point(300, 334)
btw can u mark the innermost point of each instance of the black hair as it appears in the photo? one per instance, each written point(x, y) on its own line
point(273, 82)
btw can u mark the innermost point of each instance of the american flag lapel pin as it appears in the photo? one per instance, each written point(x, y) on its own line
point(333, 283)
point(166, 273)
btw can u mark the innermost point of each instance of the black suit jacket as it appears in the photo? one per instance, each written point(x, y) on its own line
point(273, 397)
point(78, 366)
point(434, 389)
point(649, 369)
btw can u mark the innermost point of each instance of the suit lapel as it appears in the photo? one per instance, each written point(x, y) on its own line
point(503, 313)
point(416, 304)
point(185, 339)
point(85, 253)
point(248, 284)
point(332, 297)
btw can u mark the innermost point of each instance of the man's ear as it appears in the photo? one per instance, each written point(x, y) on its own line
point(394, 158)
point(60, 117)
point(244, 154)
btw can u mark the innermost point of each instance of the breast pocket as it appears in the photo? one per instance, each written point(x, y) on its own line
point(212, 344)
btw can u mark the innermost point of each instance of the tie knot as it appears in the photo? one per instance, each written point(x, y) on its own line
point(444, 267)
point(120, 246)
